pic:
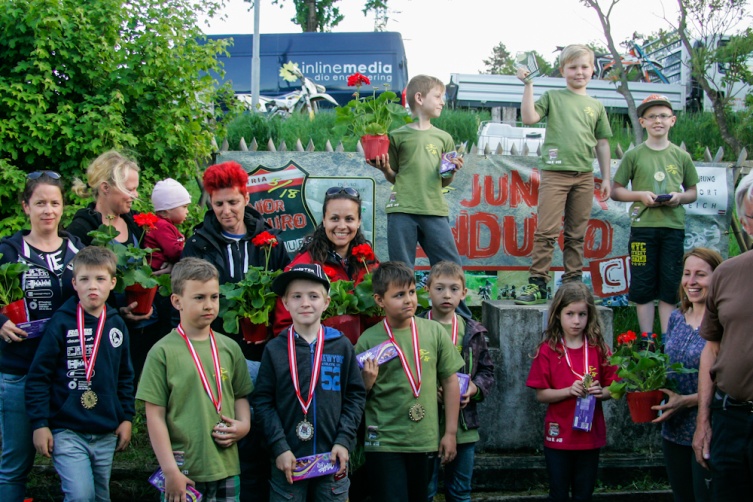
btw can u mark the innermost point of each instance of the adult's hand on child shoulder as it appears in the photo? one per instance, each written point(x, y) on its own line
point(285, 462)
point(10, 333)
point(127, 313)
point(175, 486)
point(123, 433)
point(339, 454)
point(43, 441)
point(370, 372)
point(232, 432)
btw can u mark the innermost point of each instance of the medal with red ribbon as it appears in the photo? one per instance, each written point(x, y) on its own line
point(586, 376)
point(89, 397)
point(305, 429)
point(216, 401)
point(454, 332)
point(416, 412)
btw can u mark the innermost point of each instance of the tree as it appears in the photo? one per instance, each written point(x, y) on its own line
point(622, 78)
point(323, 15)
point(78, 79)
point(501, 62)
point(706, 21)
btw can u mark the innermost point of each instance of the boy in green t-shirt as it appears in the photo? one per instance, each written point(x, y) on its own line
point(417, 211)
point(402, 422)
point(656, 169)
point(576, 125)
point(195, 384)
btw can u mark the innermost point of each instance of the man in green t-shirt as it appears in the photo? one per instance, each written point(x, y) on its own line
point(656, 171)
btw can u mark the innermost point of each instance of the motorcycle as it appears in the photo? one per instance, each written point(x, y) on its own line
point(305, 100)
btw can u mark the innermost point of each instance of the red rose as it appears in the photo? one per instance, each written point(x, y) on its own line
point(363, 252)
point(264, 239)
point(146, 220)
point(357, 79)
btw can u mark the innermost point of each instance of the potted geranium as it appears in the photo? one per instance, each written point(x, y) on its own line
point(11, 293)
point(135, 276)
point(342, 312)
point(249, 303)
point(643, 368)
point(370, 118)
point(370, 312)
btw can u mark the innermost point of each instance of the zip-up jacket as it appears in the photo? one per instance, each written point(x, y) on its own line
point(57, 377)
point(44, 292)
point(336, 271)
point(87, 219)
point(479, 365)
point(337, 405)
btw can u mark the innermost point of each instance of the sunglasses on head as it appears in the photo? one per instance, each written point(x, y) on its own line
point(38, 174)
point(346, 190)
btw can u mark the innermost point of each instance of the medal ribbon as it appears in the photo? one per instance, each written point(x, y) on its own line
point(293, 362)
point(585, 358)
point(89, 362)
point(415, 383)
point(217, 403)
point(454, 333)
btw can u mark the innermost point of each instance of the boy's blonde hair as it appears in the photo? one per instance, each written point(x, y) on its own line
point(191, 269)
point(95, 257)
point(111, 167)
point(446, 269)
point(575, 51)
point(421, 84)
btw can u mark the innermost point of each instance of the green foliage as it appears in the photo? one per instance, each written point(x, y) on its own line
point(374, 115)
point(460, 124)
point(343, 301)
point(325, 16)
point(133, 264)
point(252, 298)
point(13, 217)
point(365, 293)
point(78, 79)
point(10, 281)
point(501, 61)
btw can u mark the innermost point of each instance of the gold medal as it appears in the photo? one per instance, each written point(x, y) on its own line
point(417, 412)
point(89, 399)
point(304, 430)
point(587, 380)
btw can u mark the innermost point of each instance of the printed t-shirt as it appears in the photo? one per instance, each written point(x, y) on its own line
point(661, 172)
point(574, 123)
point(464, 435)
point(416, 155)
point(551, 371)
point(170, 379)
point(388, 426)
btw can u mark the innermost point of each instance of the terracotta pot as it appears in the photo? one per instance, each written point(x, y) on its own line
point(640, 403)
point(253, 333)
point(374, 146)
point(369, 321)
point(144, 297)
point(350, 325)
point(16, 311)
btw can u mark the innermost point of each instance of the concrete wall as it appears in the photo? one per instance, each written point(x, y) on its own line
point(511, 418)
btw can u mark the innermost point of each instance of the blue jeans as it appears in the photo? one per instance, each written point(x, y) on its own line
point(457, 475)
point(571, 469)
point(18, 447)
point(83, 462)
point(731, 451)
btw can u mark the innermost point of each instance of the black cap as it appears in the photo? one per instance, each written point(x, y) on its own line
point(308, 271)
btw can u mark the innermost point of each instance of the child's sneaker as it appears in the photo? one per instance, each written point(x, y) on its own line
point(532, 293)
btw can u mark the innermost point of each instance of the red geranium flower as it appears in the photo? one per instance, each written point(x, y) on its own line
point(330, 272)
point(265, 239)
point(357, 79)
point(146, 220)
point(363, 252)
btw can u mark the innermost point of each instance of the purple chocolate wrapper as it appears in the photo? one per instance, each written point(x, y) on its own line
point(314, 466)
point(382, 353)
point(584, 413)
point(447, 166)
point(463, 380)
point(158, 481)
point(34, 329)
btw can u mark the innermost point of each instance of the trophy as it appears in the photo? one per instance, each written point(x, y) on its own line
point(527, 60)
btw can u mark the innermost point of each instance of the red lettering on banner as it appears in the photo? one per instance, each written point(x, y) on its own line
point(474, 239)
point(287, 221)
point(527, 192)
point(598, 239)
point(513, 190)
point(512, 247)
point(269, 206)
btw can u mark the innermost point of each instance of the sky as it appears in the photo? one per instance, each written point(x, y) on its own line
point(455, 36)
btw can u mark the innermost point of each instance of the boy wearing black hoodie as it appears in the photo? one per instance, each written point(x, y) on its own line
point(310, 395)
point(79, 392)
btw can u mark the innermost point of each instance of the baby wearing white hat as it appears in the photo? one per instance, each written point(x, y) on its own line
point(170, 200)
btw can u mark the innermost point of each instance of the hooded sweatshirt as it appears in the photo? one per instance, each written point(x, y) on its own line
point(57, 377)
point(44, 291)
point(336, 408)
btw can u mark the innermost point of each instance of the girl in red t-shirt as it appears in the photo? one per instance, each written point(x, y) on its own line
point(572, 364)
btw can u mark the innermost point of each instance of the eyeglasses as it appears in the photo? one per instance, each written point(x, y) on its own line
point(38, 174)
point(346, 190)
point(661, 116)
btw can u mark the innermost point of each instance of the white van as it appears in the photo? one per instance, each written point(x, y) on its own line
point(495, 134)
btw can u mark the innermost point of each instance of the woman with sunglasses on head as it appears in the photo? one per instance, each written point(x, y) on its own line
point(47, 284)
point(332, 244)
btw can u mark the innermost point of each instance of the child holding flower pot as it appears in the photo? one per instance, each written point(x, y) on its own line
point(571, 368)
